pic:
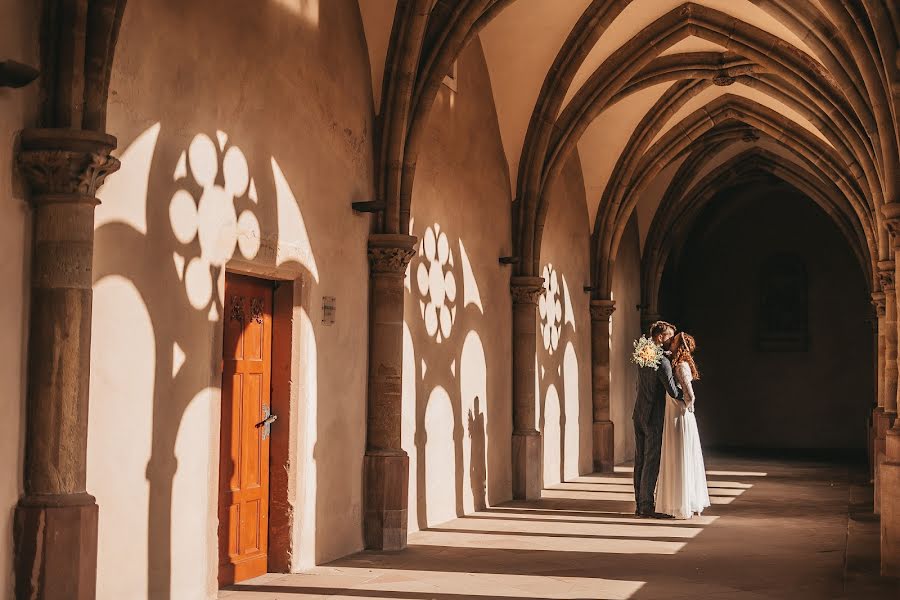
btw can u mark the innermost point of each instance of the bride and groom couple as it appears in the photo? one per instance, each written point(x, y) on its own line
point(669, 474)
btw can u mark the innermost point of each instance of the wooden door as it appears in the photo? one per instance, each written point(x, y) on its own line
point(244, 445)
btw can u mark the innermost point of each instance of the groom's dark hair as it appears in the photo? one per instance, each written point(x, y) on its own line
point(660, 327)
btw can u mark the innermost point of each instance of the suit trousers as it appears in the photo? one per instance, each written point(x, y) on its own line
point(648, 447)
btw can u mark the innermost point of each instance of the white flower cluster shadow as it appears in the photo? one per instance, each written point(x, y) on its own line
point(212, 219)
point(550, 308)
point(436, 283)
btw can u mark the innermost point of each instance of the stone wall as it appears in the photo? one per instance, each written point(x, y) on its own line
point(457, 337)
point(563, 375)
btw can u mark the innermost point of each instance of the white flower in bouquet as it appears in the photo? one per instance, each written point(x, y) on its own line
point(646, 353)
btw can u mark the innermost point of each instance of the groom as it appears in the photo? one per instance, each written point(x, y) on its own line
point(649, 414)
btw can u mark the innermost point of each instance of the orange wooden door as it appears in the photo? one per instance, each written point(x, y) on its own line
point(244, 445)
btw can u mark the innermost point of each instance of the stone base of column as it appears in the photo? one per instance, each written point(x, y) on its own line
point(386, 498)
point(528, 466)
point(890, 506)
point(56, 547)
point(882, 423)
point(604, 447)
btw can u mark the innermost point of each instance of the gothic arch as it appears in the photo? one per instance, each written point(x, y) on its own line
point(798, 79)
point(679, 210)
point(679, 139)
point(78, 41)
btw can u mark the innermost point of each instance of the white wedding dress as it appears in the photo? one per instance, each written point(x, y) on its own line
point(681, 488)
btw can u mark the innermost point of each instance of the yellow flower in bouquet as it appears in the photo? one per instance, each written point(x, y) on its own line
point(646, 353)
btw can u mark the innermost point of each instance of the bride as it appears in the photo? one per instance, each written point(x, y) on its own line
point(681, 490)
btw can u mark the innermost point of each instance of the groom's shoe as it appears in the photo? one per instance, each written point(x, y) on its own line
point(657, 515)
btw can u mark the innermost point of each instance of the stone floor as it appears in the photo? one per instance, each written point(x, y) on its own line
point(776, 530)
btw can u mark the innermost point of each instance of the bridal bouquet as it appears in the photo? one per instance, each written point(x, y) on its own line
point(646, 353)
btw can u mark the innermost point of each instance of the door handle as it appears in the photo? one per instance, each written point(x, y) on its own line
point(266, 423)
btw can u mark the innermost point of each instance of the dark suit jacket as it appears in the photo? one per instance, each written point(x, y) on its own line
point(653, 385)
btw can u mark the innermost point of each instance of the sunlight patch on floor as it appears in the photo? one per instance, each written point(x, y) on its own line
point(552, 544)
point(372, 584)
point(729, 484)
point(588, 517)
point(588, 495)
point(736, 474)
point(720, 499)
point(563, 529)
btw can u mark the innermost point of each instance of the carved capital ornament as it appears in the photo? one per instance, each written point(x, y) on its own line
point(526, 290)
point(391, 253)
point(60, 163)
point(602, 310)
point(878, 301)
point(891, 213)
point(886, 274)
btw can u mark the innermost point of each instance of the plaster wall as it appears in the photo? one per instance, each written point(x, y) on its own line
point(18, 108)
point(563, 395)
point(245, 133)
point(814, 399)
point(457, 379)
point(626, 327)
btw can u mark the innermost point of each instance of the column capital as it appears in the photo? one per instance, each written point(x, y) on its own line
point(891, 213)
point(391, 252)
point(526, 290)
point(878, 301)
point(886, 274)
point(602, 310)
point(65, 164)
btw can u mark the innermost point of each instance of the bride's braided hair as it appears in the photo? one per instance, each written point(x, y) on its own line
point(684, 348)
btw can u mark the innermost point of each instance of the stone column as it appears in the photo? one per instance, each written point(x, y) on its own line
point(889, 386)
point(527, 467)
point(889, 469)
point(56, 519)
point(878, 301)
point(386, 464)
point(604, 441)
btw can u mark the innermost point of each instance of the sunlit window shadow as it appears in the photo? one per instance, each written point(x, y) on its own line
point(179, 212)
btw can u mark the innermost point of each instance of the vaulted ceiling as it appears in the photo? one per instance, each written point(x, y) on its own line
point(651, 93)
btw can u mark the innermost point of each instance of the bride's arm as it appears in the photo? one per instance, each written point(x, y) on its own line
point(684, 372)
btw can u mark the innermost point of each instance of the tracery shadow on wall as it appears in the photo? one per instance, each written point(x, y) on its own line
point(446, 404)
point(180, 210)
point(558, 409)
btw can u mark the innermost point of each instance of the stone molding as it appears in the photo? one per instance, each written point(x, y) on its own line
point(390, 253)
point(886, 274)
point(526, 290)
point(66, 162)
point(602, 310)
